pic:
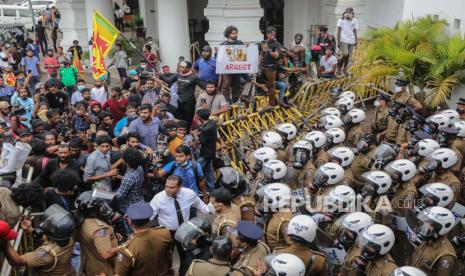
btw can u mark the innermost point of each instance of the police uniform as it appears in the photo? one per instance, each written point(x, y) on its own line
point(381, 118)
point(306, 174)
point(435, 258)
point(282, 155)
point(361, 164)
point(95, 237)
point(405, 98)
point(249, 232)
point(347, 268)
point(450, 180)
point(380, 210)
point(50, 259)
point(354, 134)
point(322, 157)
point(392, 129)
point(145, 252)
point(212, 267)
point(402, 134)
point(226, 221)
point(276, 230)
point(246, 205)
point(314, 261)
point(382, 267)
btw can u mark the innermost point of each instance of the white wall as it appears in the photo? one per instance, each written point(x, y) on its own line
point(381, 13)
point(299, 15)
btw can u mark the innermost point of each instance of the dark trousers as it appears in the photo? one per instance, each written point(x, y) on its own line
point(186, 111)
point(43, 46)
point(269, 75)
point(184, 262)
point(233, 82)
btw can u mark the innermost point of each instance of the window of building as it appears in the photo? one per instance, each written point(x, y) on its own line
point(457, 23)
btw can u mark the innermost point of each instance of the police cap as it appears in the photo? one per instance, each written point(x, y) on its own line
point(448, 131)
point(422, 135)
point(249, 232)
point(140, 211)
point(461, 101)
point(384, 96)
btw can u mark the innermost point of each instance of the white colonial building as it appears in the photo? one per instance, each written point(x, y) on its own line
point(176, 23)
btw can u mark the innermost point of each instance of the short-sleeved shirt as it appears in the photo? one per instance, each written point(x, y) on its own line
point(328, 63)
point(31, 64)
point(207, 69)
point(268, 60)
point(42, 259)
point(120, 59)
point(347, 30)
point(186, 174)
point(148, 132)
point(214, 104)
point(68, 75)
point(97, 164)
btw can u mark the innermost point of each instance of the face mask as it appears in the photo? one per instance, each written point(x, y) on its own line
point(398, 89)
point(142, 66)
point(184, 164)
point(376, 103)
point(211, 208)
point(80, 87)
point(460, 111)
point(62, 65)
point(136, 78)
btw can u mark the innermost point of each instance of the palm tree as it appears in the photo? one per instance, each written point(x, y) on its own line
point(422, 50)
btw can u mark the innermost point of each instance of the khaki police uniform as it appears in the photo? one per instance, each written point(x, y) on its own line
point(246, 204)
point(450, 180)
point(314, 261)
point(276, 230)
point(347, 269)
point(226, 221)
point(212, 267)
point(50, 259)
point(380, 209)
point(402, 134)
point(247, 262)
point(282, 155)
point(322, 157)
point(306, 174)
point(95, 237)
point(361, 164)
point(380, 121)
point(354, 134)
point(145, 253)
point(405, 98)
point(384, 266)
point(435, 258)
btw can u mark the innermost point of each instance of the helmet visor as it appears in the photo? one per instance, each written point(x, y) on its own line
point(187, 234)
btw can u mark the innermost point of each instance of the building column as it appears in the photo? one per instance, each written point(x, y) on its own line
point(105, 7)
point(244, 14)
point(333, 9)
point(173, 31)
point(73, 23)
point(150, 16)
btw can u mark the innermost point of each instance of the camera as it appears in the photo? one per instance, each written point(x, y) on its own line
point(19, 112)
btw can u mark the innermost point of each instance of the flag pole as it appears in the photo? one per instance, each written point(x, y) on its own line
point(135, 48)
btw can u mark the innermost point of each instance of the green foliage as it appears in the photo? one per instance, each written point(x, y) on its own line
point(420, 48)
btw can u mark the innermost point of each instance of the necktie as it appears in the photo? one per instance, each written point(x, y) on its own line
point(178, 211)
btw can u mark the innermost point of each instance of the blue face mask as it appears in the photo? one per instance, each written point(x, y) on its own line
point(80, 87)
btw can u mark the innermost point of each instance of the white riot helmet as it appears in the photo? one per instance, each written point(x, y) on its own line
point(335, 136)
point(379, 238)
point(302, 228)
point(330, 121)
point(354, 116)
point(425, 147)
point(328, 174)
point(284, 264)
point(331, 111)
point(439, 120)
point(352, 226)
point(434, 221)
point(460, 127)
point(340, 198)
point(435, 194)
point(263, 155)
point(302, 151)
point(348, 94)
point(407, 271)
point(453, 115)
point(272, 139)
point(344, 105)
point(276, 195)
point(376, 182)
point(444, 157)
point(343, 155)
point(316, 138)
point(401, 170)
point(287, 130)
point(274, 170)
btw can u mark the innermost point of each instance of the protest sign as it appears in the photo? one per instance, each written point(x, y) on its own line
point(237, 59)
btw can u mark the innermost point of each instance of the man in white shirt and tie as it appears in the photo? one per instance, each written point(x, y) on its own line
point(172, 206)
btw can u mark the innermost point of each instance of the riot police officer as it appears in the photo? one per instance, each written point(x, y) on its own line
point(344, 105)
point(220, 249)
point(318, 140)
point(273, 139)
point(402, 94)
point(344, 156)
point(325, 177)
point(435, 255)
point(283, 264)
point(227, 213)
point(147, 251)
point(375, 195)
point(363, 160)
point(302, 231)
point(439, 164)
point(354, 128)
point(96, 235)
point(335, 137)
point(408, 271)
point(380, 121)
point(53, 256)
point(250, 248)
point(288, 133)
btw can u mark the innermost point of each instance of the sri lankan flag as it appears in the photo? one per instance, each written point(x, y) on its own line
point(77, 63)
point(103, 37)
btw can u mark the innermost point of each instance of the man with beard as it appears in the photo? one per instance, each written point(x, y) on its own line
point(269, 62)
point(150, 92)
point(99, 92)
point(146, 126)
point(205, 66)
point(62, 161)
point(186, 81)
point(5, 121)
point(76, 153)
point(232, 81)
point(56, 99)
point(211, 100)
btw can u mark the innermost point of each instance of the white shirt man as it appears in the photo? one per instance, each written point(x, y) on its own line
point(347, 30)
point(100, 94)
point(164, 206)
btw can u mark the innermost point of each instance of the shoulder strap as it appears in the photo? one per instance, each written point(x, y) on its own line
point(172, 169)
point(52, 253)
point(195, 170)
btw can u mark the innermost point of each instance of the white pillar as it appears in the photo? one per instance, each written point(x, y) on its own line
point(105, 7)
point(73, 22)
point(173, 31)
point(244, 14)
point(333, 9)
point(150, 16)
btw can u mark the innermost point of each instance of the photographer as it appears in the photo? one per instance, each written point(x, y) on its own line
point(25, 103)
